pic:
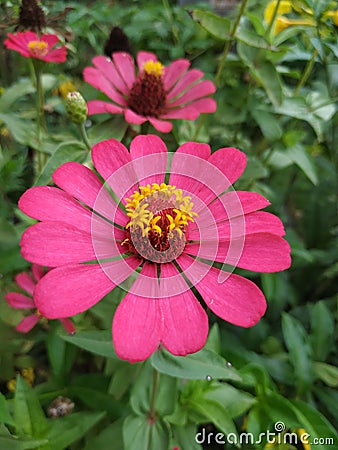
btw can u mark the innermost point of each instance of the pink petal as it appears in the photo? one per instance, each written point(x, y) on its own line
point(174, 71)
point(68, 326)
point(143, 57)
point(19, 42)
point(83, 184)
point(55, 243)
point(59, 55)
point(38, 272)
point(160, 125)
point(202, 89)
point(186, 113)
point(137, 323)
point(205, 105)
point(107, 67)
point(153, 152)
point(69, 290)
point(261, 252)
point(101, 107)
point(194, 148)
point(236, 300)
point(51, 39)
point(19, 301)
point(25, 282)
point(131, 117)
point(111, 160)
point(125, 65)
point(96, 79)
point(27, 323)
point(186, 80)
point(185, 323)
point(235, 203)
point(230, 161)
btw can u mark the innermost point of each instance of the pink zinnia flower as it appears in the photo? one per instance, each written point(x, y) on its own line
point(20, 301)
point(156, 93)
point(166, 227)
point(30, 45)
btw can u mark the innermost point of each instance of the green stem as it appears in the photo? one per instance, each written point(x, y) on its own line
point(40, 157)
point(306, 73)
point(171, 20)
point(85, 136)
point(144, 128)
point(229, 42)
point(152, 410)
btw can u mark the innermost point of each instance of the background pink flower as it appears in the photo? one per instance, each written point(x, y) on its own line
point(81, 223)
point(155, 93)
point(21, 301)
point(30, 45)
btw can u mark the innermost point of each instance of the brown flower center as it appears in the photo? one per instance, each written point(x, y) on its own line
point(147, 96)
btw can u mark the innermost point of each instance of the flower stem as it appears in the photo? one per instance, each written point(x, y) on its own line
point(152, 410)
point(171, 20)
point(273, 19)
point(307, 72)
point(229, 42)
point(40, 113)
point(84, 136)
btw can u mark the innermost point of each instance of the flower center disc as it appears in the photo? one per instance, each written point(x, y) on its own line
point(38, 48)
point(147, 96)
point(158, 226)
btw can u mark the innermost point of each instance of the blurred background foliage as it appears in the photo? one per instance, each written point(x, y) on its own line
point(277, 95)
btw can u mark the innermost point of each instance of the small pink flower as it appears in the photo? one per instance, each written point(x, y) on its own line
point(163, 240)
point(20, 301)
point(30, 45)
point(156, 93)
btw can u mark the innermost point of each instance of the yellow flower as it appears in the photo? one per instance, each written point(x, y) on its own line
point(65, 88)
point(334, 15)
point(283, 22)
point(285, 7)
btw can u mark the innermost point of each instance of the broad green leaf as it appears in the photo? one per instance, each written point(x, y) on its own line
point(13, 93)
point(327, 373)
point(65, 152)
point(11, 443)
point(234, 401)
point(109, 439)
point(214, 412)
point(143, 390)
point(98, 342)
point(315, 424)
point(21, 130)
point(252, 39)
point(5, 416)
point(111, 128)
point(297, 343)
point(197, 366)
point(122, 378)
point(141, 434)
point(329, 398)
point(61, 355)
point(98, 400)
point(185, 437)
point(299, 156)
point(268, 123)
point(28, 414)
point(322, 331)
point(68, 429)
point(278, 409)
point(219, 27)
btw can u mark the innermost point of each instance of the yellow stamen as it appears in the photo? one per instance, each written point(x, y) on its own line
point(38, 48)
point(153, 68)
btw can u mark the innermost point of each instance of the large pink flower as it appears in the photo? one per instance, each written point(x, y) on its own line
point(21, 301)
point(156, 93)
point(161, 237)
point(30, 45)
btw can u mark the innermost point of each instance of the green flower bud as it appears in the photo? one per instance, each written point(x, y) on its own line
point(76, 107)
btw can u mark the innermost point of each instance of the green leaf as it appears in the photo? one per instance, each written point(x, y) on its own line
point(252, 39)
point(11, 443)
point(299, 156)
point(315, 424)
point(21, 130)
point(268, 123)
point(296, 340)
point(327, 373)
point(61, 355)
point(197, 366)
point(98, 342)
point(68, 429)
point(217, 26)
point(114, 127)
point(234, 401)
point(185, 437)
point(278, 408)
point(141, 434)
point(110, 438)
point(95, 399)
point(65, 152)
point(5, 416)
point(214, 412)
point(322, 331)
point(28, 414)
point(13, 93)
